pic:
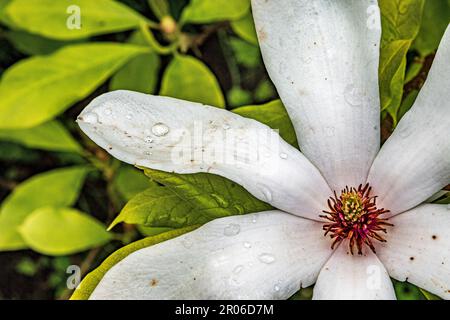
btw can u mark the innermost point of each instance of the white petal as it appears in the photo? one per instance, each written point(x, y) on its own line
point(322, 56)
point(418, 248)
point(414, 163)
point(267, 255)
point(175, 135)
point(353, 277)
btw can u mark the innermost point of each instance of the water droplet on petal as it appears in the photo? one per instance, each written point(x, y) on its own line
point(353, 95)
point(247, 245)
point(283, 155)
point(329, 131)
point(266, 258)
point(226, 126)
point(405, 132)
point(160, 129)
point(276, 288)
point(231, 230)
point(148, 139)
point(238, 269)
point(129, 116)
point(254, 219)
point(90, 117)
point(266, 193)
point(186, 243)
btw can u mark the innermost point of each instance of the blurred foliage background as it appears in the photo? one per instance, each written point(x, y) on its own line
point(59, 192)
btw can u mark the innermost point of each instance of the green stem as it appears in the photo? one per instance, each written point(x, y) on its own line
point(154, 44)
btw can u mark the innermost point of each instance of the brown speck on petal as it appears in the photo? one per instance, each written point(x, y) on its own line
point(153, 282)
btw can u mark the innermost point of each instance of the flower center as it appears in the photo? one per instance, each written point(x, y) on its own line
point(354, 216)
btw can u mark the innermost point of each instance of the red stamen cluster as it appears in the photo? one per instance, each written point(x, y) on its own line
point(354, 216)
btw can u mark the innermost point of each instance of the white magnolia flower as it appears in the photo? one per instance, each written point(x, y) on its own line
point(322, 56)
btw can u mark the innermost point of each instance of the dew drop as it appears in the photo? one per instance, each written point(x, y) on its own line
point(186, 243)
point(226, 126)
point(147, 153)
point(238, 269)
point(276, 288)
point(231, 230)
point(329, 131)
point(129, 116)
point(404, 132)
point(160, 129)
point(353, 95)
point(148, 139)
point(267, 193)
point(283, 155)
point(247, 245)
point(254, 219)
point(266, 258)
point(90, 117)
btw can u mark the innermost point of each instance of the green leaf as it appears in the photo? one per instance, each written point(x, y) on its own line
point(36, 89)
point(406, 291)
point(188, 199)
point(31, 44)
point(428, 295)
point(207, 11)
point(238, 97)
point(62, 231)
point(400, 23)
point(129, 182)
point(140, 73)
point(247, 55)
point(188, 78)
point(160, 8)
point(245, 28)
point(265, 91)
point(91, 281)
point(274, 115)
point(436, 17)
point(152, 231)
point(72, 19)
point(59, 187)
point(51, 136)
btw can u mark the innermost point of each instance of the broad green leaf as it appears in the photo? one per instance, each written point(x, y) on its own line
point(140, 73)
point(59, 187)
point(248, 55)
point(265, 91)
point(274, 115)
point(400, 22)
point(436, 17)
point(152, 231)
point(51, 136)
point(237, 97)
point(160, 8)
point(72, 19)
point(130, 181)
point(407, 291)
point(188, 199)
point(188, 78)
point(207, 11)
point(33, 44)
point(36, 89)
point(428, 295)
point(91, 281)
point(245, 28)
point(62, 231)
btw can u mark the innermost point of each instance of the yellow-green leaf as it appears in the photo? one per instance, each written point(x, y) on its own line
point(245, 28)
point(72, 19)
point(207, 11)
point(188, 78)
point(62, 231)
point(59, 187)
point(36, 89)
point(140, 73)
point(51, 136)
point(400, 21)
